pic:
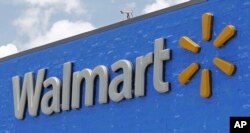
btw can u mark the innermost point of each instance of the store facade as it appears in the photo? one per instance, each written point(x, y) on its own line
point(181, 69)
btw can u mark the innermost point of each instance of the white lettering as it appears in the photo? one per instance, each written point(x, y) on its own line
point(67, 95)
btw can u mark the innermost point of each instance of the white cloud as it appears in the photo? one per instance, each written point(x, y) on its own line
point(7, 49)
point(160, 4)
point(60, 30)
point(68, 6)
point(36, 27)
point(34, 21)
point(131, 5)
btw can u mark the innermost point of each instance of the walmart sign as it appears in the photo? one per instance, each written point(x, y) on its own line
point(53, 101)
point(154, 73)
point(32, 92)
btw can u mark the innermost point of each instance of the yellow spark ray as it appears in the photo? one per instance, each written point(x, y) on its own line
point(225, 66)
point(205, 87)
point(188, 44)
point(206, 26)
point(227, 33)
point(187, 73)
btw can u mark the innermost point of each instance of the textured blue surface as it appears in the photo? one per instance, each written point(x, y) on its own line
point(181, 110)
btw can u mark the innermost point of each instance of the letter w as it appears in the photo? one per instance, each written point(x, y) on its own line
point(27, 92)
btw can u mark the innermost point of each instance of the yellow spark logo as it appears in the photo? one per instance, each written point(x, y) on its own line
point(228, 68)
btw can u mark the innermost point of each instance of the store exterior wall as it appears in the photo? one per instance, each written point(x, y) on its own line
point(180, 110)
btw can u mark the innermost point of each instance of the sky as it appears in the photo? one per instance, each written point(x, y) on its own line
point(25, 24)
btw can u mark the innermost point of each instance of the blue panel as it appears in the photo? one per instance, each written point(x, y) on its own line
point(181, 110)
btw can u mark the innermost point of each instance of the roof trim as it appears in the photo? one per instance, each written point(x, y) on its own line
point(102, 29)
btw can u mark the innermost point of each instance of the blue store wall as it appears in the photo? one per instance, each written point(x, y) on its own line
point(181, 110)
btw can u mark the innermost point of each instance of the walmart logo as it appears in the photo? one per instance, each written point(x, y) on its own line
point(225, 66)
point(64, 95)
